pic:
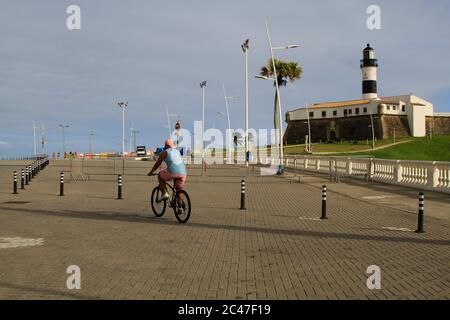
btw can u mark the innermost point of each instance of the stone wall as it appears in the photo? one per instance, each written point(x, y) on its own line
point(349, 128)
point(400, 123)
point(438, 125)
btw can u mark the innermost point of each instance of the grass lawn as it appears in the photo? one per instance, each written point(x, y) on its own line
point(345, 146)
point(436, 149)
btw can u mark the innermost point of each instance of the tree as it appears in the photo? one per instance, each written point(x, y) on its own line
point(286, 71)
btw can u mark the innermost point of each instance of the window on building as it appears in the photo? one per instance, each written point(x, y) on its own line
point(388, 107)
point(357, 111)
point(365, 110)
point(350, 111)
point(403, 108)
point(324, 114)
point(311, 114)
point(345, 112)
point(334, 113)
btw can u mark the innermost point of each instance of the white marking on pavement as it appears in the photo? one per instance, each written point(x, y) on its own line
point(307, 218)
point(376, 197)
point(271, 171)
point(397, 229)
point(17, 242)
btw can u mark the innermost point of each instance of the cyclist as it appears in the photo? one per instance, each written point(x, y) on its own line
point(176, 169)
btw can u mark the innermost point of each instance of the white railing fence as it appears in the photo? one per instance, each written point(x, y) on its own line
point(430, 175)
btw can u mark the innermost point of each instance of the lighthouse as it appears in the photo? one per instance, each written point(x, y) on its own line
point(369, 67)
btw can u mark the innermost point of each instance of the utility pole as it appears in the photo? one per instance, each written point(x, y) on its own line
point(64, 138)
point(123, 105)
point(245, 48)
point(309, 129)
point(373, 130)
point(134, 132)
point(34, 137)
point(43, 140)
point(90, 142)
point(394, 135)
point(203, 86)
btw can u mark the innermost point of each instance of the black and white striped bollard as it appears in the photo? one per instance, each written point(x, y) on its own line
point(324, 203)
point(119, 187)
point(61, 184)
point(243, 194)
point(15, 183)
point(26, 176)
point(29, 174)
point(22, 179)
point(421, 213)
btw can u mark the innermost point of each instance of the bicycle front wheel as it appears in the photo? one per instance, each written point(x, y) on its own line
point(158, 205)
point(182, 206)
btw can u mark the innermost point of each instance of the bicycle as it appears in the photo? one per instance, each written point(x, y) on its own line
point(179, 200)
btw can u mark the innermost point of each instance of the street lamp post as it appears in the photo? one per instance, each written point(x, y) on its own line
point(228, 118)
point(245, 47)
point(123, 105)
point(277, 89)
point(64, 138)
point(203, 86)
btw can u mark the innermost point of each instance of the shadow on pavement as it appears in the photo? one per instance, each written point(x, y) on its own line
point(114, 216)
point(45, 291)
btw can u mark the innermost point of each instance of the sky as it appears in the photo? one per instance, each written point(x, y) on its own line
point(155, 53)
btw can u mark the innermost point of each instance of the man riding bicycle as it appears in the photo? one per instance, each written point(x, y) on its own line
point(176, 169)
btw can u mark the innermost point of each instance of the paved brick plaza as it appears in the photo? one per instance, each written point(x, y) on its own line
point(276, 249)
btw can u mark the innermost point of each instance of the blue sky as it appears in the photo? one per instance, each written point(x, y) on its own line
point(153, 53)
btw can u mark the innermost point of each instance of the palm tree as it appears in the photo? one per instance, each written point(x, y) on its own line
point(286, 71)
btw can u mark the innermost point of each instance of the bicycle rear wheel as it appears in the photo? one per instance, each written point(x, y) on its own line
point(158, 205)
point(182, 206)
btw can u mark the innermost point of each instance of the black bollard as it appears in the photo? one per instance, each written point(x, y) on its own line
point(324, 203)
point(22, 179)
point(119, 187)
point(243, 194)
point(29, 174)
point(61, 184)
point(15, 182)
point(421, 213)
point(26, 176)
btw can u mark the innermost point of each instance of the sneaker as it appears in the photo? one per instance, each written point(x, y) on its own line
point(165, 196)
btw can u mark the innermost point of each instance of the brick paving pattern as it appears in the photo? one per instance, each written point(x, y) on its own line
point(276, 249)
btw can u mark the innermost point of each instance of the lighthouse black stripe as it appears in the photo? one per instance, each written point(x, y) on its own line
point(369, 86)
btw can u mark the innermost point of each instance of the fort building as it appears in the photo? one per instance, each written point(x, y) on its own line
point(402, 115)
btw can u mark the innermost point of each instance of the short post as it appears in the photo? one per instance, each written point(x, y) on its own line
point(119, 187)
point(243, 194)
point(421, 213)
point(26, 176)
point(29, 173)
point(324, 203)
point(22, 179)
point(61, 184)
point(15, 182)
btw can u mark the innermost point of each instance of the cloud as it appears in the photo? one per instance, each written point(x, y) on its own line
point(155, 53)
